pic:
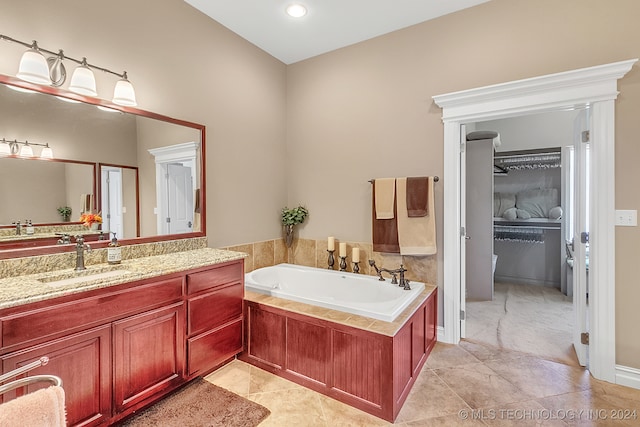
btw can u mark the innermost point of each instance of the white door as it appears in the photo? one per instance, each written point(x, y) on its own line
point(463, 234)
point(112, 204)
point(580, 217)
point(179, 199)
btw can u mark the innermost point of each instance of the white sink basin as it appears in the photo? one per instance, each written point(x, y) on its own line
point(51, 281)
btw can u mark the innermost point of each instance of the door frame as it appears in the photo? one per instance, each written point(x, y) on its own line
point(594, 86)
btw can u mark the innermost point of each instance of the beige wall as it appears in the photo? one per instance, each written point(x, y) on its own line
point(183, 65)
point(366, 111)
point(361, 112)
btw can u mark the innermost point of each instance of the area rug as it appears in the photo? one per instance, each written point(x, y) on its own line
point(201, 404)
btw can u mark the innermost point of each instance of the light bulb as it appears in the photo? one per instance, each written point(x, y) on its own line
point(296, 10)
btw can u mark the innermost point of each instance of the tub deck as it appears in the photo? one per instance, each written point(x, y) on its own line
point(366, 363)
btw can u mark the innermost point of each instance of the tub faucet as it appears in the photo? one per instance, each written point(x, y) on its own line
point(18, 227)
point(81, 246)
point(404, 283)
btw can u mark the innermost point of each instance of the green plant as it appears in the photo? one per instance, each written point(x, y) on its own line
point(64, 210)
point(294, 216)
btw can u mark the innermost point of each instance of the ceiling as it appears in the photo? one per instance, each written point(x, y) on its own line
point(328, 24)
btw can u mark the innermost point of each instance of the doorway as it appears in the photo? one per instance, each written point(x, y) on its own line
point(594, 86)
point(517, 296)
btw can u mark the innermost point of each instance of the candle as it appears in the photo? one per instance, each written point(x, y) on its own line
point(331, 243)
point(343, 249)
point(355, 255)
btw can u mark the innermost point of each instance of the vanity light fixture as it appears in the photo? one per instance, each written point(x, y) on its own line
point(35, 68)
point(83, 82)
point(296, 10)
point(23, 149)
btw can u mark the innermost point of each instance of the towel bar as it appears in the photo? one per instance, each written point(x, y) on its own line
point(54, 380)
point(435, 179)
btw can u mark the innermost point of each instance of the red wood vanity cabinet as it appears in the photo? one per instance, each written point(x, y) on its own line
point(123, 347)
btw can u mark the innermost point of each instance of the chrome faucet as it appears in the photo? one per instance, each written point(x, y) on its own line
point(65, 239)
point(404, 283)
point(81, 246)
point(18, 227)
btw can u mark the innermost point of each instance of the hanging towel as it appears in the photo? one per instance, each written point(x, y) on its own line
point(385, 193)
point(417, 196)
point(416, 236)
point(44, 407)
point(385, 231)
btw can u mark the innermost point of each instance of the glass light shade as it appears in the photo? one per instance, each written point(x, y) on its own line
point(5, 150)
point(47, 153)
point(34, 68)
point(124, 94)
point(26, 151)
point(83, 82)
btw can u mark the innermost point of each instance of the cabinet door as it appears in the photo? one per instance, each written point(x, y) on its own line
point(148, 354)
point(83, 362)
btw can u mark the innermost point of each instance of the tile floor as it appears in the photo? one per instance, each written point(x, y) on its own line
point(458, 383)
point(532, 319)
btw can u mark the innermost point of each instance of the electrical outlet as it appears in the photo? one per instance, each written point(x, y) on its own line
point(626, 218)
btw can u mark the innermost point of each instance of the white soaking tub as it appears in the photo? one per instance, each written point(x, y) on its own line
point(348, 292)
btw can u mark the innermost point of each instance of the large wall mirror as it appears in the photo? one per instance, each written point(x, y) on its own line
point(110, 165)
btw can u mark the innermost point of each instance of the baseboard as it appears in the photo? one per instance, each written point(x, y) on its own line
point(525, 281)
point(440, 332)
point(627, 376)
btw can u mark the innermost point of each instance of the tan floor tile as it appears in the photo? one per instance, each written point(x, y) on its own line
point(295, 407)
point(340, 414)
point(481, 386)
point(587, 408)
point(263, 381)
point(447, 355)
point(234, 377)
point(430, 397)
point(540, 377)
point(528, 413)
point(485, 352)
point(446, 421)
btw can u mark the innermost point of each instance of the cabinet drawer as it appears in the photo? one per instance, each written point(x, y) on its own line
point(208, 350)
point(35, 325)
point(214, 308)
point(208, 279)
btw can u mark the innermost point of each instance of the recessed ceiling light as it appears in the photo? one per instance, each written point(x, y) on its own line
point(296, 10)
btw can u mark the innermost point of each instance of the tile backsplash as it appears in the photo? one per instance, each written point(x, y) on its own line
point(313, 253)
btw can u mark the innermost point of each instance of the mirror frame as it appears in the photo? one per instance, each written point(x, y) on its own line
point(53, 249)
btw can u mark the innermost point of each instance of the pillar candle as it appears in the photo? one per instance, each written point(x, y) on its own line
point(331, 243)
point(355, 255)
point(343, 249)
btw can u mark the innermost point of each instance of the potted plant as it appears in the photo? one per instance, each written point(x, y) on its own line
point(65, 212)
point(290, 218)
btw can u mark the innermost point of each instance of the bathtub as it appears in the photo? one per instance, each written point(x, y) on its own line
point(348, 292)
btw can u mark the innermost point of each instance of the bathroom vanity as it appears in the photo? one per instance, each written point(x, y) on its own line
point(128, 334)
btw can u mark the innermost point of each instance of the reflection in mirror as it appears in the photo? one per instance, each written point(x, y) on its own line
point(121, 137)
point(119, 200)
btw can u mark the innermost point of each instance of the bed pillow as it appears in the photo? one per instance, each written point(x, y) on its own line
point(510, 214)
point(502, 202)
point(537, 202)
point(555, 212)
point(522, 214)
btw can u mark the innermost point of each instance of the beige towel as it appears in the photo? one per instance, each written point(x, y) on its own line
point(416, 236)
point(385, 194)
point(42, 408)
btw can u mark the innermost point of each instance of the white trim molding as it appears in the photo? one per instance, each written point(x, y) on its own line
point(593, 86)
point(627, 376)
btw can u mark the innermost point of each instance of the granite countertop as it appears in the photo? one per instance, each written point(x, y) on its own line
point(19, 290)
point(353, 320)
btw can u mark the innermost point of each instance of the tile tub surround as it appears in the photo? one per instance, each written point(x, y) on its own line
point(313, 253)
point(18, 290)
point(43, 263)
